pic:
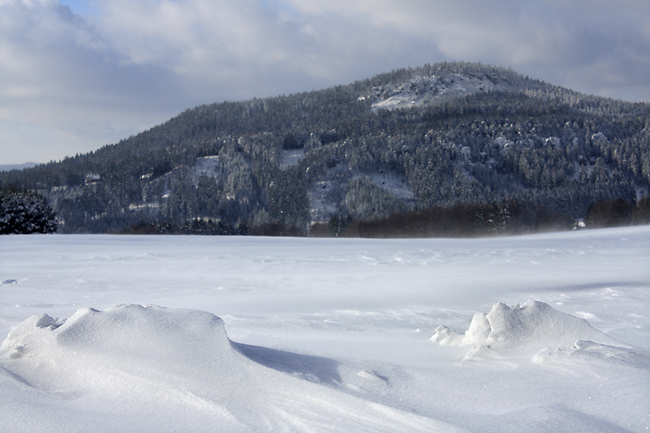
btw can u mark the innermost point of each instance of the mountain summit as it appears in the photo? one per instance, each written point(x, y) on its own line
point(479, 144)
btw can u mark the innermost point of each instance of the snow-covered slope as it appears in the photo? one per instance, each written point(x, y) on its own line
point(424, 90)
point(325, 335)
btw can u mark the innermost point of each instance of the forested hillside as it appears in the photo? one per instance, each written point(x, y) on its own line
point(479, 144)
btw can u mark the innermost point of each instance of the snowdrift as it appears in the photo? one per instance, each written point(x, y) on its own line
point(168, 370)
point(328, 335)
point(524, 329)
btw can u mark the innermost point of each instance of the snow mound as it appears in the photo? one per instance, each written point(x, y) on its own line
point(528, 328)
point(92, 345)
point(171, 370)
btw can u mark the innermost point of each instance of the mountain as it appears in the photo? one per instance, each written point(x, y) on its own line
point(461, 142)
point(8, 167)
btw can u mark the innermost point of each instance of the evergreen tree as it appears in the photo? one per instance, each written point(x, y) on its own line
point(24, 213)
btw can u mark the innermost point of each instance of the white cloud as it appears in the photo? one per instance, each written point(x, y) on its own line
point(71, 83)
point(63, 89)
point(549, 39)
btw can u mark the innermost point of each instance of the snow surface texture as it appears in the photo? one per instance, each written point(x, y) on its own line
point(326, 335)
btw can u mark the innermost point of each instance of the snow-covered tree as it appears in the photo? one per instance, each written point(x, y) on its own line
point(24, 213)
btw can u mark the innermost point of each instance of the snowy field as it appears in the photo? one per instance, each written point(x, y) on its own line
point(544, 333)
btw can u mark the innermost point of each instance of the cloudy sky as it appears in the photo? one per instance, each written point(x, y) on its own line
point(78, 74)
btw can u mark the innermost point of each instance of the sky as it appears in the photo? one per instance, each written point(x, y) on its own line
point(79, 74)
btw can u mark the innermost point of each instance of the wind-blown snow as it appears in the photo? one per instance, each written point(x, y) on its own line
point(326, 335)
point(530, 327)
point(178, 360)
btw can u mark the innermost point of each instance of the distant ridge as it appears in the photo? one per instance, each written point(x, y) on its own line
point(8, 167)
